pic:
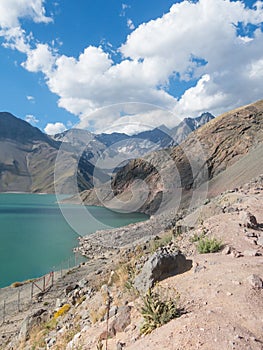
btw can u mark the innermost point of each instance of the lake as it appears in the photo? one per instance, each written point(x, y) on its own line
point(35, 237)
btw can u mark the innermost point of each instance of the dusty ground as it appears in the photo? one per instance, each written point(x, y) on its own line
point(222, 309)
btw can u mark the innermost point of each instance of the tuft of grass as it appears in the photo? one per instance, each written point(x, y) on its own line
point(208, 245)
point(156, 312)
point(17, 284)
point(162, 242)
point(50, 325)
point(98, 314)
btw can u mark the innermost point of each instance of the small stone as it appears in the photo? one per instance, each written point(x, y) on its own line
point(82, 283)
point(255, 281)
point(122, 320)
point(260, 241)
point(113, 311)
point(226, 250)
point(58, 303)
point(251, 253)
point(236, 283)
point(120, 345)
point(249, 220)
point(236, 254)
point(229, 294)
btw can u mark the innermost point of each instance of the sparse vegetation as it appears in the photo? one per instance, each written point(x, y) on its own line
point(208, 245)
point(157, 312)
point(51, 324)
point(62, 311)
point(162, 241)
point(196, 238)
point(17, 284)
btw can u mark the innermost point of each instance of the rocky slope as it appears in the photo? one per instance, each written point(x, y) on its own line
point(182, 174)
point(220, 294)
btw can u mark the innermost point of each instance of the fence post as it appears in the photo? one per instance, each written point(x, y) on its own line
point(32, 291)
point(44, 283)
point(18, 301)
point(52, 277)
point(4, 313)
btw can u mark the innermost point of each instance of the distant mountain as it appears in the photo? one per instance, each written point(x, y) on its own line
point(225, 152)
point(15, 129)
point(125, 146)
point(28, 158)
point(182, 130)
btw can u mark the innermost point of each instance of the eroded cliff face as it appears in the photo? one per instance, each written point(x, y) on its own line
point(164, 176)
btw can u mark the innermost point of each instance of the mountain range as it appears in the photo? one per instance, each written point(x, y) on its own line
point(225, 152)
point(29, 158)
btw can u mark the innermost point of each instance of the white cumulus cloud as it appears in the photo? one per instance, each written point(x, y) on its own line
point(130, 24)
point(11, 11)
point(31, 119)
point(56, 128)
point(31, 98)
point(195, 42)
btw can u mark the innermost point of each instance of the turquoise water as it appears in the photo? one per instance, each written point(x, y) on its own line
point(35, 237)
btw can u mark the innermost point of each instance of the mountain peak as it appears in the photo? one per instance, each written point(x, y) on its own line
point(13, 128)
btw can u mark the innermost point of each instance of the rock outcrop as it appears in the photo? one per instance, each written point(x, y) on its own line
point(159, 266)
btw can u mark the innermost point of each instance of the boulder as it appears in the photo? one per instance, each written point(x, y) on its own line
point(249, 220)
point(158, 267)
point(29, 322)
point(122, 319)
point(255, 281)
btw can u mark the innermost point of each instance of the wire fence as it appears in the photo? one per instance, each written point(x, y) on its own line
point(16, 300)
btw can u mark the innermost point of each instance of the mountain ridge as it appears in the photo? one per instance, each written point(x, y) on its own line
point(28, 157)
point(223, 141)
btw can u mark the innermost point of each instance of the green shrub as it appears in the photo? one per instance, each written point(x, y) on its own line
point(208, 245)
point(157, 312)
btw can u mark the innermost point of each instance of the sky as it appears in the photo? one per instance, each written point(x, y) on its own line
point(128, 66)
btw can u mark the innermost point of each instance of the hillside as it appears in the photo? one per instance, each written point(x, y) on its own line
point(28, 158)
point(185, 174)
point(220, 293)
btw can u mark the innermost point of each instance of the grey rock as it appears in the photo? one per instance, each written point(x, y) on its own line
point(255, 281)
point(159, 266)
point(120, 345)
point(82, 283)
point(70, 288)
point(122, 320)
point(249, 220)
point(260, 241)
point(29, 322)
point(251, 253)
point(226, 250)
point(113, 311)
point(58, 303)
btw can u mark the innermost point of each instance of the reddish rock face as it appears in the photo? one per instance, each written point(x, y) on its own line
point(223, 141)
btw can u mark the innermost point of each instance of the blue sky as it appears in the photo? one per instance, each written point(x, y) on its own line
point(127, 65)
